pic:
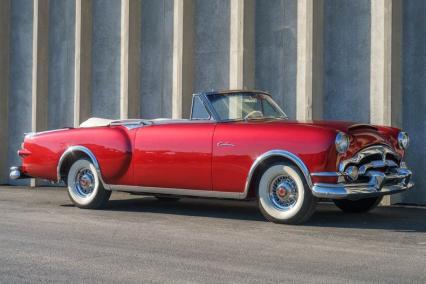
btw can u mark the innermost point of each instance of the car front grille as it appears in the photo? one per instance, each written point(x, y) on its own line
point(375, 158)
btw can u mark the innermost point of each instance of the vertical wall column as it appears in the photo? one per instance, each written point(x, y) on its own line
point(40, 87)
point(82, 60)
point(309, 90)
point(385, 71)
point(183, 44)
point(385, 74)
point(129, 58)
point(241, 44)
point(4, 87)
point(40, 65)
point(61, 64)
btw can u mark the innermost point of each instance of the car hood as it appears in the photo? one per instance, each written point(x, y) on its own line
point(361, 135)
point(344, 126)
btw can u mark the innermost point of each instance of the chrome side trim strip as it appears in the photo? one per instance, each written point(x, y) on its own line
point(327, 174)
point(29, 135)
point(130, 123)
point(279, 153)
point(178, 191)
point(85, 150)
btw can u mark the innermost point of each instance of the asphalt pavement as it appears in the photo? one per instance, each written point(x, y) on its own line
point(44, 238)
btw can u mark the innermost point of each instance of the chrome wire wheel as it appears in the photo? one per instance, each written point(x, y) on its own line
point(283, 192)
point(84, 183)
point(85, 187)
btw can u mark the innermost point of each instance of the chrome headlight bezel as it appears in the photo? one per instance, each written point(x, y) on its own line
point(342, 142)
point(403, 140)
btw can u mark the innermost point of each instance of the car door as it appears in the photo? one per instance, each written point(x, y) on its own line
point(174, 154)
point(233, 153)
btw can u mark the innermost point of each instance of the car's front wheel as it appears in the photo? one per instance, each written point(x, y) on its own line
point(84, 186)
point(284, 196)
point(358, 206)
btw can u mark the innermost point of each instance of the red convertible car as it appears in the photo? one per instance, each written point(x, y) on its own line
point(236, 145)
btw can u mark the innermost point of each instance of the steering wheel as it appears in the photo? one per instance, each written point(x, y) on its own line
point(254, 113)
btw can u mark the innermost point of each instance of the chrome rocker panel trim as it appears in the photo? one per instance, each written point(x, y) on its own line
point(377, 186)
point(178, 191)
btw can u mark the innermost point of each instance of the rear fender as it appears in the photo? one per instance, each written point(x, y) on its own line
point(69, 152)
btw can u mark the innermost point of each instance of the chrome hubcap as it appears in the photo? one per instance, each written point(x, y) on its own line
point(283, 192)
point(84, 182)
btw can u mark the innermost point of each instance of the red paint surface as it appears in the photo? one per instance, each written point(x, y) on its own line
point(111, 146)
point(174, 155)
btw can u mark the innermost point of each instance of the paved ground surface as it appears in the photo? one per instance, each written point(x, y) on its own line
point(140, 239)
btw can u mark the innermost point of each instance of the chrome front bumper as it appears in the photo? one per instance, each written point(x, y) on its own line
point(379, 184)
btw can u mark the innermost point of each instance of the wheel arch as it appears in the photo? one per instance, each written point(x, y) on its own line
point(270, 157)
point(72, 154)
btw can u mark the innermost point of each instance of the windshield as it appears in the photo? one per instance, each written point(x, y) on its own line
point(245, 106)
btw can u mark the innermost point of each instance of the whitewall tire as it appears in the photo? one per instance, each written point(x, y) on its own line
point(284, 196)
point(84, 186)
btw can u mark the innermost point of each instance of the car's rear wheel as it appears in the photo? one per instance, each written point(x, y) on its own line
point(358, 206)
point(284, 196)
point(84, 186)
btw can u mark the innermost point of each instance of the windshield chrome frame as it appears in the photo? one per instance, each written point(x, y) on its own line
point(203, 101)
point(215, 116)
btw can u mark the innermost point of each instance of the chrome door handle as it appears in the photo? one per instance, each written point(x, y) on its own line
point(224, 144)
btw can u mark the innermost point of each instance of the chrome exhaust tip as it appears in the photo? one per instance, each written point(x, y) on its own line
point(15, 173)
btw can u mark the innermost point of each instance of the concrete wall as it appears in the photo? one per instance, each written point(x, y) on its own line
point(413, 93)
point(61, 64)
point(4, 87)
point(211, 45)
point(105, 84)
point(20, 82)
point(156, 58)
point(347, 60)
point(276, 51)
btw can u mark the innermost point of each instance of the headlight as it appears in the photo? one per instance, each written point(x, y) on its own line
point(403, 140)
point(342, 142)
